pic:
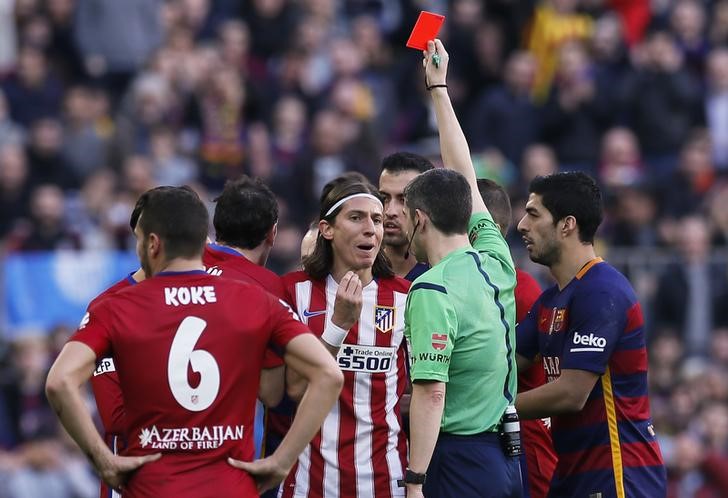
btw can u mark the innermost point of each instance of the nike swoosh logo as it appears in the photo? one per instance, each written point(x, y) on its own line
point(309, 314)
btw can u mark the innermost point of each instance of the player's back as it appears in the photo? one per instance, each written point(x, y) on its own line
point(189, 349)
point(241, 268)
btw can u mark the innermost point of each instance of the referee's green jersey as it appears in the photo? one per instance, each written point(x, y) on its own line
point(460, 323)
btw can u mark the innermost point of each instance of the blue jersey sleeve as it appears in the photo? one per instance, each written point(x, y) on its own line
point(527, 333)
point(597, 320)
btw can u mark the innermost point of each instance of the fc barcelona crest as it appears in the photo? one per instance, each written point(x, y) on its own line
point(384, 319)
point(559, 320)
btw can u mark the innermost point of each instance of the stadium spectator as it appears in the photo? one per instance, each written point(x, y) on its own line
point(33, 92)
point(505, 116)
point(691, 292)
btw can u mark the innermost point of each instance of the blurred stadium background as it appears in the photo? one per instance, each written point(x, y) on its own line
point(102, 99)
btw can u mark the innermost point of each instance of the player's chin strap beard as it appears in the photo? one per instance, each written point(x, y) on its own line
point(409, 244)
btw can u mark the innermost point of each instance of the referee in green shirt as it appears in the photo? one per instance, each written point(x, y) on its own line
point(460, 322)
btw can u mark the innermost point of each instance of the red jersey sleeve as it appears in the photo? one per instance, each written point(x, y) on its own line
point(94, 330)
point(286, 324)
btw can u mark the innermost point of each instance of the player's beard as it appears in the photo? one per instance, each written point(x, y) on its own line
point(399, 240)
point(144, 260)
point(548, 255)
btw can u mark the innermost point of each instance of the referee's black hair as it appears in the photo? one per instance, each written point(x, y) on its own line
point(571, 193)
point(445, 196)
point(245, 213)
point(319, 263)
point(178, 217)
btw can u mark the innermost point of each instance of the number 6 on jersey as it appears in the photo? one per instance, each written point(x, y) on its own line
point(183, 353)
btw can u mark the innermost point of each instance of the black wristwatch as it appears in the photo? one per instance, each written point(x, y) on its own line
point(411, 477)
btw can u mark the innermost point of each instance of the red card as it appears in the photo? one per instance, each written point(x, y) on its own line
point(426, 28)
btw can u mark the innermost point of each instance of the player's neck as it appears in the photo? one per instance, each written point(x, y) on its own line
point(573, 259)
point(257, 255)
point(365, 274)
point(181, 265)
point(440, 245)
point(401, 265)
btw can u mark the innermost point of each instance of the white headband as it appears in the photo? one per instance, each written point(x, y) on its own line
point(352, 196)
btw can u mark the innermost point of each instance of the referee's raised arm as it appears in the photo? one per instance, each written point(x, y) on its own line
point(453, 146)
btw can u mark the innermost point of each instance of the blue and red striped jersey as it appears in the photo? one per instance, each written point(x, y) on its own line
point(595, 324)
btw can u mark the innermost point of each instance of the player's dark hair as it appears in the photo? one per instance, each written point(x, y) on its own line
point(571, 193)
point(406, 161)
point(246, 211)
point(498, 203)
point(445, 196)
point(319, 263)
point(137, 211)
point(178, 217)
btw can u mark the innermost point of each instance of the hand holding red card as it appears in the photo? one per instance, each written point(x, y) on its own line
point(426, 28)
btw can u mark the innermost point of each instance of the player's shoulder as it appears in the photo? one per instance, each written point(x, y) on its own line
point(394, 284)
point(294, 277)
point(122, 284)
point(214, 254)
point(605, 279)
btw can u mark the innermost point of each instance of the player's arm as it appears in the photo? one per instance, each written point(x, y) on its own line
point(72, 368)
point(324, 379)
point(567, 394)
point(596, 311)
point(453, 145)
point(347, 310)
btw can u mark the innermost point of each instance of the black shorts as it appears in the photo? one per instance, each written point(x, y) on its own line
point(472, 467)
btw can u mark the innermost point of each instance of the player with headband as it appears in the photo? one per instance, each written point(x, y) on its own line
point(348, 293)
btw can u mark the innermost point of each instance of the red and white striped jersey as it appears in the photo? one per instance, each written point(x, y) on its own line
point(361, 450)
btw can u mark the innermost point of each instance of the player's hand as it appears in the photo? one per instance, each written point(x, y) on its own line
point(268, 472)
point(435, 74)
point(347, 307)
point(117, 469)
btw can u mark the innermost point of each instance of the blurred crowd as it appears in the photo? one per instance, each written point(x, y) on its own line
point(101, 100)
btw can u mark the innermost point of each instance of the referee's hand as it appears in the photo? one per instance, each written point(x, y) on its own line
point(347, 306)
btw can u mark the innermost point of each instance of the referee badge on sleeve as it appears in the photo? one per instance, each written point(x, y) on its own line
point(384, 318)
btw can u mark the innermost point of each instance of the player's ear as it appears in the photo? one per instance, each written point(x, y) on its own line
point(154, 245)
point(270, 237)
point(569, 226)
point(326, 229)
point(421, 219)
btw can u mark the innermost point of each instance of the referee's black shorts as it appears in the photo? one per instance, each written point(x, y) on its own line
point(472, 467)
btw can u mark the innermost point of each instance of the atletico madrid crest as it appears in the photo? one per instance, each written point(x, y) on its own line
point(384, 319)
